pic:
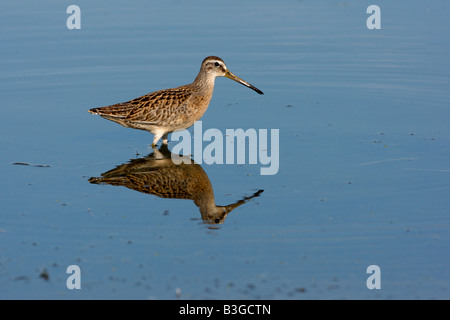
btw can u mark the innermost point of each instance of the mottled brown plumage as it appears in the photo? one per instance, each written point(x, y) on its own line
point(158, 175)
point(165, 111)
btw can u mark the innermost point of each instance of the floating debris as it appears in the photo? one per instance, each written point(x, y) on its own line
point(21, 278)
point(178, 292)
point(44, 275)
point(30, 164)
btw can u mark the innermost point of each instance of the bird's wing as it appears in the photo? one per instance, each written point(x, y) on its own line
point(159, 107)
point(156, 107)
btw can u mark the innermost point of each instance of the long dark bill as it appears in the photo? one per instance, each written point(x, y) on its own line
point(231, 76)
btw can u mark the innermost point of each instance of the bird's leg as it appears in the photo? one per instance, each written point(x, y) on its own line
point(165, 138)
point(156, 139)
point(157, 154)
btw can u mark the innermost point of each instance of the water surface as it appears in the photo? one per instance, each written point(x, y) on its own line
point(364, 148)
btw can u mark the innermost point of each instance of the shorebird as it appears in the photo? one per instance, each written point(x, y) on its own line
point(165, 111)
point(158, 175)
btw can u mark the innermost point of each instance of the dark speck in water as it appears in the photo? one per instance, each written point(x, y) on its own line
point(44, 275)
point(32, 165)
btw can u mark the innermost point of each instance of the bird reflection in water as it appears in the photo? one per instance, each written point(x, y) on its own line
point(158, 175)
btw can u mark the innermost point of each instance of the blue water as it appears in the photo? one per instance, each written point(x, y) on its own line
point(363, 117)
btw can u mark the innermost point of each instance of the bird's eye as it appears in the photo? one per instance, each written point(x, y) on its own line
point(216, 64)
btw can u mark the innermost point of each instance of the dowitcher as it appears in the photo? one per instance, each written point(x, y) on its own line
point(165, 111)
point(158, 175)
